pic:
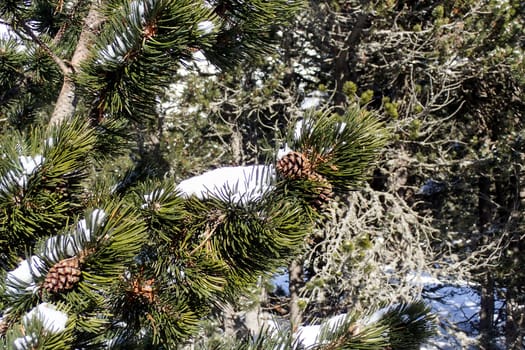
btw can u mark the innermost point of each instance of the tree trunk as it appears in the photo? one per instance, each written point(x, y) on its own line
point(342, 59)
point(253, 321)
point(486, 314)
point(295, 271)
point(236, 146)
point(514, 307)
point(514, 322)
point(509, 203)
point(67, 99)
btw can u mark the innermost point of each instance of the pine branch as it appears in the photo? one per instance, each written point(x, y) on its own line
point(70, 15)
point(409, 325)
point(331, 155)
point(41, 329)
point(28, 80)
point(399, 327)
point(79, 267)
point(246, 31)
point(64, 67)
point(67, 100)
point(40, 184)
point(138, 53)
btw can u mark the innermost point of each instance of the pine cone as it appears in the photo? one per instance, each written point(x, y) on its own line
point(62, 276)
point(323, 189)
point(144, 290)
point(4, 326)
point(294, 165)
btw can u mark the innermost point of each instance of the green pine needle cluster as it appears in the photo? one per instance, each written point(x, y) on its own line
point(42, 202)
point(342, 147)
point(140, 49)
point(396, 327)
point(340, 150)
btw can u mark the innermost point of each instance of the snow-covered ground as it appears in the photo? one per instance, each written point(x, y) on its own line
point(456, 307)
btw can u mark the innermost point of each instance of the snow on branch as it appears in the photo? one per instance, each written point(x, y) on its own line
point(240, 184)
point(26, 166)
point(21, 279)
point(52, 319)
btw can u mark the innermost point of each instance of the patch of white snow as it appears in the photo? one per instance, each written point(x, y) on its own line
point(206, 26)
point(24, 343)
point(53, 320)
point(96, 219)
point(28, 165)
point(242, 183)
point(202, 63)
point(24, 275)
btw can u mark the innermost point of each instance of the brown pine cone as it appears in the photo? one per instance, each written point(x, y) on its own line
point(62, 276)
point(294, 165)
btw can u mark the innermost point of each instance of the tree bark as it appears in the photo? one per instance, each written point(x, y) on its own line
point(67, 99)
point(486, 314)
point(253, 321)
point(342, 59)
point(514, 323)
point(236, 146)
point(295, 271)
point(514, 307)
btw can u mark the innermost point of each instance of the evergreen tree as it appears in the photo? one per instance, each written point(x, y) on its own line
point(448, 76)
point(446, 195)
point(130, 260)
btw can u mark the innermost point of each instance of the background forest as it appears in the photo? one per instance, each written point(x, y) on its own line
point(447, 196)
point(442, 201)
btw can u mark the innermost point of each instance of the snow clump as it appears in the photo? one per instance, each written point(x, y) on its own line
point(241, 183)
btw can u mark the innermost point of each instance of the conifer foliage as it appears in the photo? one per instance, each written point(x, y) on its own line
point(90, 261)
